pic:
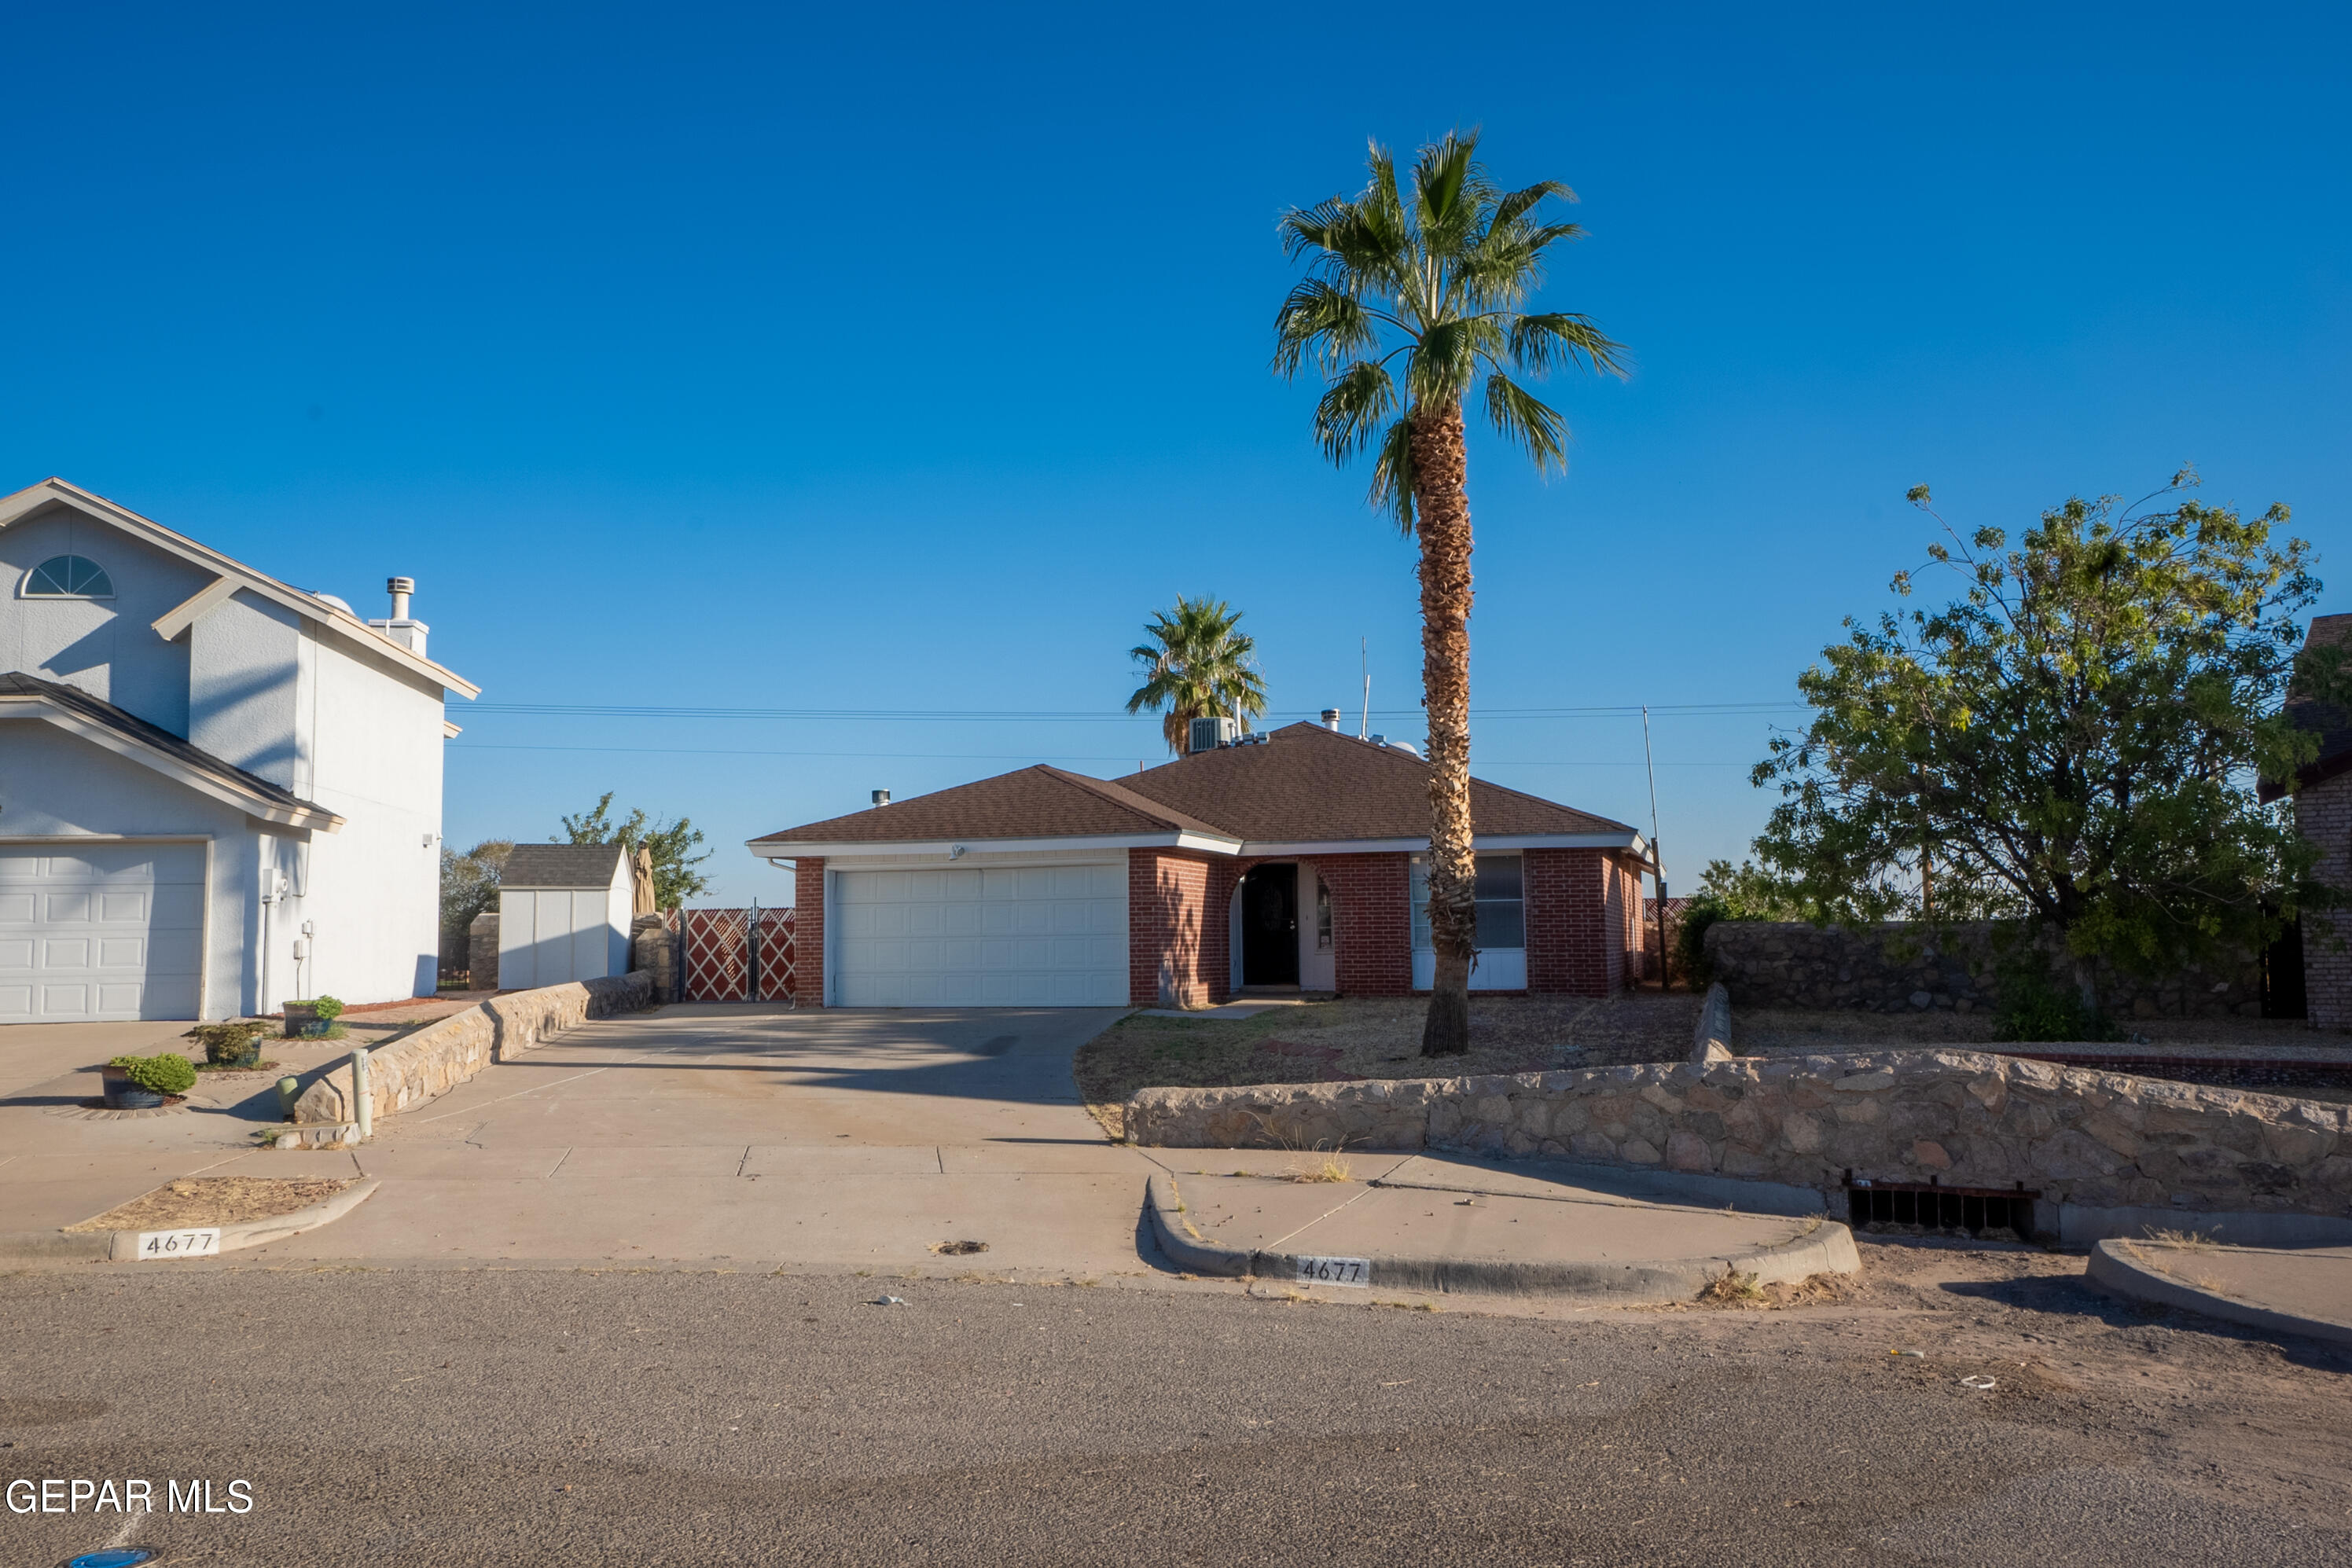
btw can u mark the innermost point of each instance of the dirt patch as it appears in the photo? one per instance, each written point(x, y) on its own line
point(1375, 1037)
point(215, 1200)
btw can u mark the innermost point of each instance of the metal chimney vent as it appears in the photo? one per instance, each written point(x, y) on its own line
point(881, 797)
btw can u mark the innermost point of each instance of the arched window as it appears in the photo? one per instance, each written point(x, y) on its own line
point(69, 577)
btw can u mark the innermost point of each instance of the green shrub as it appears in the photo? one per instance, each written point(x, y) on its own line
point(327, 1008)
point(170, 1073)
point(2034, 1006)
point(227, 1042)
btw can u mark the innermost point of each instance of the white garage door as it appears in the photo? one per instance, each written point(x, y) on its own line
point(109, 931)
point(1050, 935)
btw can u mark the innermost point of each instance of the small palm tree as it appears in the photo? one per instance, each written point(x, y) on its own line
point(1438, 277)
point(1197, 666)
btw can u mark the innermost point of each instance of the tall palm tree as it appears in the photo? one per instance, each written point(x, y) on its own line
point(1436, 276)
point(1197, 666)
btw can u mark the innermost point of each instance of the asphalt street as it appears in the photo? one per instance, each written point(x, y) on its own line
point(412, 1416)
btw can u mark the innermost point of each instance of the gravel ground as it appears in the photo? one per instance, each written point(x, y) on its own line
point(501, 1416)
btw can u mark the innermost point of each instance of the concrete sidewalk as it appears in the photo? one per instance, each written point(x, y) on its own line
point(2300, 1291)
point(1422, 1222)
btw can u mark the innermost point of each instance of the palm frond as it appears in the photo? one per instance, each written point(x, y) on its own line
point(1321, 319)
point(1352, 406)
point(1392, 477)
point(1541, 344)
point(1533, 424)
point(1451, 192)
point(1510, 208)
point(1444, 365)
point(1304, 229)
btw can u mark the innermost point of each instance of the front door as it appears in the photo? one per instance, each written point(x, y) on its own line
point(1270, 926)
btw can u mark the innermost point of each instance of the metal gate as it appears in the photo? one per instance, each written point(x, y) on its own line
point(729, 957)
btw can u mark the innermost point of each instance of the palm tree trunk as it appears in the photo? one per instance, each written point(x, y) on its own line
point(1442, 510)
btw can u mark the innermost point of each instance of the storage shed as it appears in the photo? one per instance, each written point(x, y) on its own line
point(563, 915)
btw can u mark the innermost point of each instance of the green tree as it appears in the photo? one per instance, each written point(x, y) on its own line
point(675, 878)
point(469, 881)
point(1196, 665)
point(2077, 738)
point(1414, 298)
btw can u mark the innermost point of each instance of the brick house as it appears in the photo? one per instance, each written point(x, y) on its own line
point(1292, 859)
point(2323, 814)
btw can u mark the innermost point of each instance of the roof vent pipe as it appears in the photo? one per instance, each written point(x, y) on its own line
point(400, 588)
point(1330, 716)
point(881, 797)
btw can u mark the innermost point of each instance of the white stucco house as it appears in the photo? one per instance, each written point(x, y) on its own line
point(217, 791)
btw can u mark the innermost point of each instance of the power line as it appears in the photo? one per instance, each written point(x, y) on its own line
point(930, 715)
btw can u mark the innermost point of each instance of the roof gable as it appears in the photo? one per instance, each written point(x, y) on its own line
point(235, 573)
point(128, 735)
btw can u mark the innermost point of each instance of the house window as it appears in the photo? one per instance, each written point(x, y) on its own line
point(1322, 916)
point(69, 577)
point(1502, 904)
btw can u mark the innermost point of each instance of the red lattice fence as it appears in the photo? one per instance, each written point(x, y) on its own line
point(719, 961)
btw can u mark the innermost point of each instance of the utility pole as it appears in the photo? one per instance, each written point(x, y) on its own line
point(1657, 856)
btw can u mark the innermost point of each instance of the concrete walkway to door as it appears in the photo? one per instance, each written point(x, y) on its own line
point(754, 1135)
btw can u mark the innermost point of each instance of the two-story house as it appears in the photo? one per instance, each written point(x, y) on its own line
point(217, 791)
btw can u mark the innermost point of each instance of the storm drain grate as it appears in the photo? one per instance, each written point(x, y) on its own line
point(1929, 1206)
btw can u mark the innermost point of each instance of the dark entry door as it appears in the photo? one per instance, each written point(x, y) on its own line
point(1270, 926)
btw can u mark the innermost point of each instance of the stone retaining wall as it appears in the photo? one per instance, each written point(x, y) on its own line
point(1913, 969)
point(446, 1052)
point(2099, 1140)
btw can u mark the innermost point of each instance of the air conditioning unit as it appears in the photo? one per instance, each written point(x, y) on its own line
point(1207, 733)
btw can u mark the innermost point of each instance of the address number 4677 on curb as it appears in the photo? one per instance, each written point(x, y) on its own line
point(1334, 1272)
point(201, 1241)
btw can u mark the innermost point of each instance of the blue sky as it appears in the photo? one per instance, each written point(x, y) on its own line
point(783, 360)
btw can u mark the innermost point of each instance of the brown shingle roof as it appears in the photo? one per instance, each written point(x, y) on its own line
point(1032, 803)
point(1306, 784)
point(562, 866)
point(1303, 784)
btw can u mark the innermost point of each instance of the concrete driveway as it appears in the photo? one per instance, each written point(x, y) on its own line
point(754, 1135)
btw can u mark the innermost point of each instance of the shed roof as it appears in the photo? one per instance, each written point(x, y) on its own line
point(563, 865)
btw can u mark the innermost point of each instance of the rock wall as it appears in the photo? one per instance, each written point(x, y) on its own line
point(2099, 1140)
point(446, 1052)
point(482, 951)
point(653, 947)
point(1908, 969)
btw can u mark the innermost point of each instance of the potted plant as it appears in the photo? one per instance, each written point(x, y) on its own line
point(313, 1019)
point(143, 1082)
point(228, 1045)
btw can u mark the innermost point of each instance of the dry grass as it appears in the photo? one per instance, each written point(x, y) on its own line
point(2193, 1239)
point(215, 1200)
point(1733, 1290)
point(1322, 1168)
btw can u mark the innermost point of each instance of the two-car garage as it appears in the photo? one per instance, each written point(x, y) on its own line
point(997, 936)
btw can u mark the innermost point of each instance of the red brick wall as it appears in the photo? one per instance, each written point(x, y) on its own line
point(808, 930)
point(1371, 923)
point(2323, 813)
point(1168, 959)
point(1583, 921)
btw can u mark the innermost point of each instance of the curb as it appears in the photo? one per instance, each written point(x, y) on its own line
point(2115, 1272)
point(1828, 1251)
point(122, 1245)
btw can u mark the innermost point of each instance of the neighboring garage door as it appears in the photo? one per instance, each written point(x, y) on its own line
point(108, 932)
point(1050, 935)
